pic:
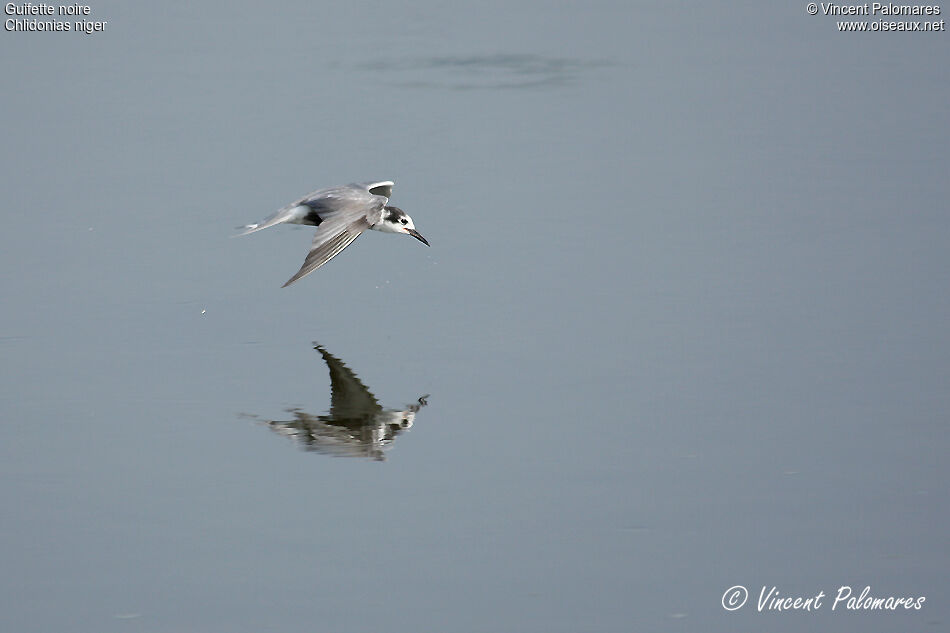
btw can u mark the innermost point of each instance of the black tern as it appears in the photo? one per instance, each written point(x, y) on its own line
point(340, 215)
point(356, 426)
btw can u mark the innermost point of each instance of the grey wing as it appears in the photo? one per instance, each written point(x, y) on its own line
point(371, 197)
point(368, 197)
point(349, 397)
point(382, 188)
point(333, 235)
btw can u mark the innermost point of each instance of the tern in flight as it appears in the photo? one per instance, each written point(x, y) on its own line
point(340, 215)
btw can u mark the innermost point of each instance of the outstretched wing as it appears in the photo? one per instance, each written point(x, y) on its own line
point(332, 237)
point(349, 397)
point(382, 188)
point(344, 213)
point(327, 202)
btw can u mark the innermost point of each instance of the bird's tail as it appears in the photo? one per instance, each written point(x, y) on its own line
point(248, 228)
point(287, 214)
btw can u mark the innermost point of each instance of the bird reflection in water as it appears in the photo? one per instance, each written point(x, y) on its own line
point(357, 426)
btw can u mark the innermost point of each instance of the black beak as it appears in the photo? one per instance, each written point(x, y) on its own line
point(417, 235)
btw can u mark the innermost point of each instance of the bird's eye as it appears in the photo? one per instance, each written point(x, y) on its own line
point(403, 220)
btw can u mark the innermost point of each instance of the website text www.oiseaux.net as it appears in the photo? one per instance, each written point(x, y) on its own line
point(884, 16)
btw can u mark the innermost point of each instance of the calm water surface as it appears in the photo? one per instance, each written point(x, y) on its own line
point(682, 325)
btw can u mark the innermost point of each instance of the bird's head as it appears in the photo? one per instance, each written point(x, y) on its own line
point(395, 220)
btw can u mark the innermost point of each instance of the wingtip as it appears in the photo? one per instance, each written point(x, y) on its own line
point(293, 279)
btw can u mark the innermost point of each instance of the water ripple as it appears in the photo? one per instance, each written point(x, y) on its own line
point(483, 72)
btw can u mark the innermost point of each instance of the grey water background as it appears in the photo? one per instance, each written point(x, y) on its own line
point(683, 321)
